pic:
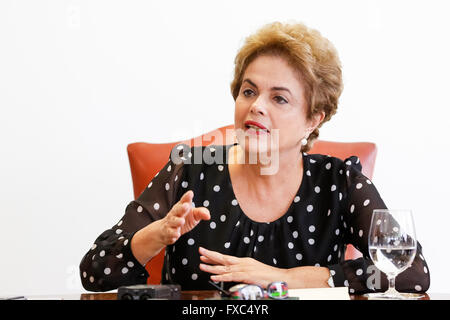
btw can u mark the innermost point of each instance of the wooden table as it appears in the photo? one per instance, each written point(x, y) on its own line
point(188, 295)
point(185, 295)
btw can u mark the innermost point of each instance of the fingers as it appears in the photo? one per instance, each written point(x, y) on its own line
point(175, 219)
point(184, 207)
point(183, 217)
point(227, 273)
point(233, 276)
point(229, 268)
point(187, 197)
point(201, 213)
point(173, 235)
point(207, 260)
point(181, 209)
point(176, 222)
point(170, 235)
point(216, 269)
point(218, 258)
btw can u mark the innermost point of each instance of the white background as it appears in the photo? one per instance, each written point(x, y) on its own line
point(79, 80)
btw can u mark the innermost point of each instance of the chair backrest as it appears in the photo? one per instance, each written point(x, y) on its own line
point(365, 151)
point(147, 159)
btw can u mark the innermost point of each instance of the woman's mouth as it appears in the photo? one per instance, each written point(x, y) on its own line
point(253, 127)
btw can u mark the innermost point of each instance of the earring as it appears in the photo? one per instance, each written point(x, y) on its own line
point(304, 141)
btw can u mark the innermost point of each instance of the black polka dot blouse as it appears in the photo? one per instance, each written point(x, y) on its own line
point(331, 209)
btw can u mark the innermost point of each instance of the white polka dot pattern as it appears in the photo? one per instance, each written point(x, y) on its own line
point(332, 206)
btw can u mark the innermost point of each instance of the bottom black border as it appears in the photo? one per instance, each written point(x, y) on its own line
point(217, 309)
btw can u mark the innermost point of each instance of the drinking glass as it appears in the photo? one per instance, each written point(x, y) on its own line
point(392, 248)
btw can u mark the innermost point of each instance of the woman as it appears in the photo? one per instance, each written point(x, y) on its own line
point(229, 222)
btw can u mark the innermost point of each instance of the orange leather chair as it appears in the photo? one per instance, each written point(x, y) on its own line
point(147, 159)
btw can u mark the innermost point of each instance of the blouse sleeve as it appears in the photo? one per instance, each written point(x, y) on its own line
point(110, 263)
point(360, 275)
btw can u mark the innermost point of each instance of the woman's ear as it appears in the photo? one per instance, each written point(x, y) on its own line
point(317, 119)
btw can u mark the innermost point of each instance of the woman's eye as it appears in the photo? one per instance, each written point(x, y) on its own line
point(247, 92)
point(280, 100)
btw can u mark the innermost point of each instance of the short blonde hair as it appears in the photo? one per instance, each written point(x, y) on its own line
point(308, 52)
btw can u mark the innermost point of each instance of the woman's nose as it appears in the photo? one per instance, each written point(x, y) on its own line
point(257, 107)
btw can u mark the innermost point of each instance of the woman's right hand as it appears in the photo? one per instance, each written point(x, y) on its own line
point(182, 218)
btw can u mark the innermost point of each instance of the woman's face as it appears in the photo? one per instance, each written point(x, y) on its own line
point(272, 95)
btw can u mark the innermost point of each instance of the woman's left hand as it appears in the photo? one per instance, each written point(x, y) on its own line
point(243, 270)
